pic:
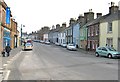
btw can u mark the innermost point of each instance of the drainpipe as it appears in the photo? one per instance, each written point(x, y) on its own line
point(87, 39)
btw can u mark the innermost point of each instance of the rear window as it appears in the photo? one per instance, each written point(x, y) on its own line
point(28, 44)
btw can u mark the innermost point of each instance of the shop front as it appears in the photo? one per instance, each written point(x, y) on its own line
point(6, 37)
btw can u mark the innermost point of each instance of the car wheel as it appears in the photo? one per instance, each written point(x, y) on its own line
point(109, 56)
point(96, 54)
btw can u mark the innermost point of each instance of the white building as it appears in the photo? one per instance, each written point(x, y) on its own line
point(62, 34)
point(45, 37)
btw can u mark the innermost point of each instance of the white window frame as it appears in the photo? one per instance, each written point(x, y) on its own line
point(92, 31)
point(88, 31)
point(110, 43)
point(93, 45)
point(110, 27)
point(96, 30)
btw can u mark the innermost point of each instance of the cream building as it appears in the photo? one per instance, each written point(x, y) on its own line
point(110, 29)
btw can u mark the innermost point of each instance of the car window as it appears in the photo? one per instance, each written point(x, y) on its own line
point(28, 44)
point(104, 49)
point(71, 45)
point(111, 49)
point(99, 48)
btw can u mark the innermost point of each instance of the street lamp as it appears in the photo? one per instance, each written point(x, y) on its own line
point(21, 32)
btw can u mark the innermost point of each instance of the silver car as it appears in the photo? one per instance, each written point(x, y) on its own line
point(71, 47)
point(28, 46)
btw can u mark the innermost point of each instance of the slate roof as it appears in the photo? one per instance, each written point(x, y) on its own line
point(97, 20)
point(112, 17)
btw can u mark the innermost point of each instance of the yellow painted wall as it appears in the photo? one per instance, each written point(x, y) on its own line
point(104, 35)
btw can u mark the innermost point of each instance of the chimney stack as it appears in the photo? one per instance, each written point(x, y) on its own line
point(113, 9)
point(72, 21)
point(99, 15)
point(80, 19)
point(57, 26)
point(64, 25)
point(88, 16)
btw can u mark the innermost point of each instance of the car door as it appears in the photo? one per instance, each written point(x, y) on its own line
point(104, 51)
point(99, 50)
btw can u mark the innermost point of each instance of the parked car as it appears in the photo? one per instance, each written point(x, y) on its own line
point(71, 47)
point(28, 46)
point(107, 52)
point(64, 45)
point(58, 44)
point(47, 42)
point(36, 40)
point(41, 41)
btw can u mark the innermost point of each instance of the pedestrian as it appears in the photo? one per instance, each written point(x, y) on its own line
point(3, 53)
point(8, 49)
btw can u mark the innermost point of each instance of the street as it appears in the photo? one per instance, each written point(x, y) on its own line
point(51, 62)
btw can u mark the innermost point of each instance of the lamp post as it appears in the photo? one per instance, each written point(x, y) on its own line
point(21, 32)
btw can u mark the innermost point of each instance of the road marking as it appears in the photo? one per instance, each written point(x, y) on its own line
point(7, 75)
point(8, 62)
point(4, 65)
point(1, 68)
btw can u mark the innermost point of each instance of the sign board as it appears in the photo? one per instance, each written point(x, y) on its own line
point(8, 15)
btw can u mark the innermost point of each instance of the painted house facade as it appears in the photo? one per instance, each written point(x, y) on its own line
point(50, 35)
point(56, 34)
point(45, 37)
point(69, 31)
point(76, 34)
point(93, 32)
point(110, 29)
point(88, 16)
point(62, 34)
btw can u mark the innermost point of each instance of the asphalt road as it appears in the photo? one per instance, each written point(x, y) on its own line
point(50, 62)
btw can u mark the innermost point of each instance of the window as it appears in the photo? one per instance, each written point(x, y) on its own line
point(88, 31)
point(109, 42)
point(96, 30)
point(109, 27)
point(99, 48)
point(93, 45)
point(92, 30)
point(104, 49)
point(62, 34)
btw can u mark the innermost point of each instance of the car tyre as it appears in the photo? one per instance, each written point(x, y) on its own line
point(109, 56)
point(96, 54)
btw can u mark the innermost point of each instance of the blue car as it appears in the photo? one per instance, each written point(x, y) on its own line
point(107, 52)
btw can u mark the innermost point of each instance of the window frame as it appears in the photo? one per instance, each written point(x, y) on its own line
point(109, 29)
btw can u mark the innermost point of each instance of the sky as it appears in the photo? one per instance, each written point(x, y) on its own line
point(35, 14)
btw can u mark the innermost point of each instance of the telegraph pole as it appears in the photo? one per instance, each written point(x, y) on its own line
point(21, 34)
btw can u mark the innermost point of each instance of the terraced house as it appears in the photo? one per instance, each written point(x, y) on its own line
point(88, 16)
point(62, 34)
point(8, 32)
point(110, 29)
point(93, 32)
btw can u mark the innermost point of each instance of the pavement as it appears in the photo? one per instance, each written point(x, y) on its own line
point(4, 61)
point(86, 52)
